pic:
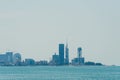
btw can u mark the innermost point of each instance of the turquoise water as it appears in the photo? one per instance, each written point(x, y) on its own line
point(60, 73)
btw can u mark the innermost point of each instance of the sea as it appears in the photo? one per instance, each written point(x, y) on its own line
point(60, 73)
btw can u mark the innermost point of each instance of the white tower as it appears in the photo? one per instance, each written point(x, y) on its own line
point(66, 54)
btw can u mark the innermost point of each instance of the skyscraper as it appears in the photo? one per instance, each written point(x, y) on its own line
point(61, 54)
point(66, 55)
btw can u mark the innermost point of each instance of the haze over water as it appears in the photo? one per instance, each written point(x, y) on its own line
point(35, 28)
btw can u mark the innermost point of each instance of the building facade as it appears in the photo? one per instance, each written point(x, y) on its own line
point(17, 59)
point(61, 54)
point(29, 62)
point(55, 59)
point(79, 60)
point(66, 55)
point(3, 59)
point(9, 57)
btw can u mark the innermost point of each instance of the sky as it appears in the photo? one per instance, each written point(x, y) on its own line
point(34, 28)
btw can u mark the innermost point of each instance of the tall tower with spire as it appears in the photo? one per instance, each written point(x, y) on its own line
point(79, 52)
point(79, 55)
point(66, 54)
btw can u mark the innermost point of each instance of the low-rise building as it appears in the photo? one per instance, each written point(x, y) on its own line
point(78, 61)
point(55, 60)
point(29, 62)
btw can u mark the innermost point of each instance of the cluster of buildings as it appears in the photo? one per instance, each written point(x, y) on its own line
point(9, 59)
point(62, 58)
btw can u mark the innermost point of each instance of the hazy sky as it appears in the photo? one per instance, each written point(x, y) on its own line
point(34, 28)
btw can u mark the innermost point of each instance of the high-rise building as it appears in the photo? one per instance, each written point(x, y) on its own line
point(17, 58)
point(79, 52)
point(9, 57)
point(3, 59)
point(66, 55)
point(79, 60)
point(61, 54)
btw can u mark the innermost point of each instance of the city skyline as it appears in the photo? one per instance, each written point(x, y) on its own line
point(61, 59)
point(33, 28)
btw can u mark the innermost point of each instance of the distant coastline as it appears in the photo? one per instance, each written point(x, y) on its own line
point(60, 59)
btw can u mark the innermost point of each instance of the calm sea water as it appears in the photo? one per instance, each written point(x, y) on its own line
point(60, 73)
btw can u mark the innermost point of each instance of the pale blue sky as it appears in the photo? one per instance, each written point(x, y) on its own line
point(36, 27)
